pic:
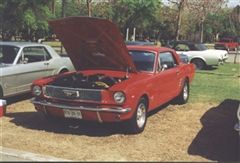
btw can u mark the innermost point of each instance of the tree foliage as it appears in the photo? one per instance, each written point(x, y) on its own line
point(183, 19)
point(25, 18)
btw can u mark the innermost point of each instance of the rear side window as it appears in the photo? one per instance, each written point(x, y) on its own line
point(36, 54)
point(182, 47)
point(8, 54)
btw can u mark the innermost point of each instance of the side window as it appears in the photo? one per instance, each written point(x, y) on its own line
point(8, 54)
point(166, 60)
point(34, 54)
point(181, 47)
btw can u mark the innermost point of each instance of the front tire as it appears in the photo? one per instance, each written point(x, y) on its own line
point(184, 94)
point(138, 122)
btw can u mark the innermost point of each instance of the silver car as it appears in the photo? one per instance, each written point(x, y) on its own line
point(22, 62)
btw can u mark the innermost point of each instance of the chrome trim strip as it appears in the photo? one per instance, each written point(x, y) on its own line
point(99, 118)
point(112, 109)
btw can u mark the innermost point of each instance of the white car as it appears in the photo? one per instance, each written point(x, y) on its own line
point(199, 54)
point(22, 62)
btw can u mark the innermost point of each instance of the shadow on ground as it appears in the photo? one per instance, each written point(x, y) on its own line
point(217, 140)
point(18, 98)
point(37, 121)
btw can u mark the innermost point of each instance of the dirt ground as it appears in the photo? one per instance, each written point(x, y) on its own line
point(192, 132)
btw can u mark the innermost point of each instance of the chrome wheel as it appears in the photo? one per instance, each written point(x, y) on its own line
point(139, 119)
point(185, 92)
point(141, 115)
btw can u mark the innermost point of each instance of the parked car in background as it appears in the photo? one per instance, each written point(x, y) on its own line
point(227, 44)
point(140, 43)
point(112, 83)
point(184, 58)
point(199, 54)
point(22, 62)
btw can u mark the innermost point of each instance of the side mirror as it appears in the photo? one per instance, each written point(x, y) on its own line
point(164, 67)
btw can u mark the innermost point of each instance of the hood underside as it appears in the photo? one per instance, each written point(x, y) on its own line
point(93, 43)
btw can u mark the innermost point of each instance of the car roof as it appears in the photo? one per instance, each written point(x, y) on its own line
point(20, 44)
point(149, 48)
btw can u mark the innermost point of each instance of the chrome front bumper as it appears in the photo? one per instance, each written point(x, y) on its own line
point(100, 109)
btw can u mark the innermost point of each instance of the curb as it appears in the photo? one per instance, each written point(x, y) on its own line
point(23, 155)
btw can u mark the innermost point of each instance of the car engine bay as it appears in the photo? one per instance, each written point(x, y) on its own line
point(79, 80)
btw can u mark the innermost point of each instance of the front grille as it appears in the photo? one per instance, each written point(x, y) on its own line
point(72, 93)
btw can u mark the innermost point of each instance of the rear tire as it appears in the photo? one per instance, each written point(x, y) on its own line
point(138, 122)
point(199, 64)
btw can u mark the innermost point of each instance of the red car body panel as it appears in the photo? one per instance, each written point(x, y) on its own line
point(158, 87)
point(93, 43)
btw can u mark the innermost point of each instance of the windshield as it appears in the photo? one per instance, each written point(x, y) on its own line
point(201, 47)
point(144, 61)
point(8, 54)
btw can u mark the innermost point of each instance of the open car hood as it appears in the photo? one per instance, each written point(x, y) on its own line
point(93, 43)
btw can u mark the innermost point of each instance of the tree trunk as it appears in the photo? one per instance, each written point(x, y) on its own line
point(63, 8)
point(179, 18)
point(53, 7)
point(201, 36)
point(89, 7)
point(235, 57)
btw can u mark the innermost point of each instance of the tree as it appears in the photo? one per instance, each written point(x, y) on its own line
point(180, 7)
point(89, 7)
point(201, 8)
point(133, 13)
point(25, 18)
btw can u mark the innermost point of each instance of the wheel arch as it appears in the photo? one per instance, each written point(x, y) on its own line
point(145, 96)
point(62, 69)
point(198, 57)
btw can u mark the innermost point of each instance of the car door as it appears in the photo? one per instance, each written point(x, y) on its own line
point(32, 65)
point(168, 76)
point(8, 55)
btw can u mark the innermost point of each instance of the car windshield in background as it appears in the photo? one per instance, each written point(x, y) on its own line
point(8, 54)
point(144, 61)
point(201, 47)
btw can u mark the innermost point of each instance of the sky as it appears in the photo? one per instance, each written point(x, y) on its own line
point(231, 3)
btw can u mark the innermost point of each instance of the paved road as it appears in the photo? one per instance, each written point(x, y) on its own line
point(231, 57)
point(8, 154)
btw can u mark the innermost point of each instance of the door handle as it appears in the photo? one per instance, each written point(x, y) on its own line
point(46, 63)
point(178, 72)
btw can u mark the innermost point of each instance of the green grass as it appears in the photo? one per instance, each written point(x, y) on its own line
point(216, 85)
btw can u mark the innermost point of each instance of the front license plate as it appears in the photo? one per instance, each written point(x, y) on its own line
point(72, 114)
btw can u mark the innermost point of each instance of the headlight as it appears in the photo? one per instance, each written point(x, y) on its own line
point(119, 97)
point(37, 91)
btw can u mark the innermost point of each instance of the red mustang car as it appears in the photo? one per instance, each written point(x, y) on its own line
point(112, 82)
